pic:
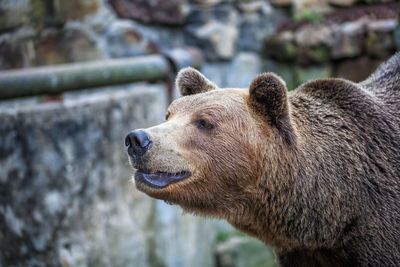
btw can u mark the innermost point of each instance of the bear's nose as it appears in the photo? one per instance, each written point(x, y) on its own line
point(137, 142)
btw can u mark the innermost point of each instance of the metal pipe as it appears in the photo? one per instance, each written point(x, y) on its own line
point(61, 78)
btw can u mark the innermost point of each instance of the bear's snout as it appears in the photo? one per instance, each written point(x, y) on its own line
point(137, 142)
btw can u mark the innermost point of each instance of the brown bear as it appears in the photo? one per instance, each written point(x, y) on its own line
point(314, 173)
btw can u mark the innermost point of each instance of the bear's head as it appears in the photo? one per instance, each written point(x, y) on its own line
point(218, 148)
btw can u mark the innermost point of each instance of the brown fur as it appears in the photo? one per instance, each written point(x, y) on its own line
point(192, 82)
point(315, 174)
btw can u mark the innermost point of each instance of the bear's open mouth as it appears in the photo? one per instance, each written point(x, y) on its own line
point(160, 179)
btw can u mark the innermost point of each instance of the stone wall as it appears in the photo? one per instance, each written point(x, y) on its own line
point(348, 43)
point(66, 194)
point(298, 39)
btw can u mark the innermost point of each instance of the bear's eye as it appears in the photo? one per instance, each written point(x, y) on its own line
point(203, 124)
point(167, 115)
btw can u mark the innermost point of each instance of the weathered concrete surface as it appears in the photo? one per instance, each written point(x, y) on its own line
point(66, 194)
point(183, 240)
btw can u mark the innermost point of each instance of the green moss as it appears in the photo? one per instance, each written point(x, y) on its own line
point(396, 37)
point(38, 13)
point(223, 236)
point(244, 251)
point(319, 54)
point(285, 51)
point(309, 16)
point(305, 74)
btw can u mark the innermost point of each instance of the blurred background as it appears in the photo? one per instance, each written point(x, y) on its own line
point(76, 76)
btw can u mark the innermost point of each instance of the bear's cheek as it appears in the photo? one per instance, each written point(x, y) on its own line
point(209, 159)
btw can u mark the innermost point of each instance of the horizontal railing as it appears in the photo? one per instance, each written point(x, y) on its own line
point(57, 79)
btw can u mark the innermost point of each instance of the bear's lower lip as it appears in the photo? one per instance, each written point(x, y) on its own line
point(160, 179)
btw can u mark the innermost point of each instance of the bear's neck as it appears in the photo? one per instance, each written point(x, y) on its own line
point(277, 214)
point(294, 208)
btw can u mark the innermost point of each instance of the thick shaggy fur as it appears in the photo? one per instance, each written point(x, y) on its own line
point(315, 174)
point(343, 205)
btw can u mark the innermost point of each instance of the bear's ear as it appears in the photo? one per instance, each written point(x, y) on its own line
point(268, 98)
point(190, 82)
